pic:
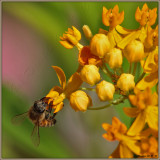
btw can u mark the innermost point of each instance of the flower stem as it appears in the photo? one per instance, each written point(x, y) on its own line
point(114, 102)
point(79, 46)
point(90, 89)
point(130, 67)
point(106, 71)
point(134, 69)
point(141, 77)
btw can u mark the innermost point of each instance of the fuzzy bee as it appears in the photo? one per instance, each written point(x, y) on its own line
point(39, 116)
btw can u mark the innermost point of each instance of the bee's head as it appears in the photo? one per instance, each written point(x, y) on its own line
point(40, 106)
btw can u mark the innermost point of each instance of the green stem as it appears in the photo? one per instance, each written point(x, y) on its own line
point(134, 69)
point(89, 89)
point(141, 77)
point(130, 67)
point(114, 102)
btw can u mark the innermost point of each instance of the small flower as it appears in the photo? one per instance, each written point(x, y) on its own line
point(57, 94)
point(87, 32)
point(105, 90)
point(149, 147)
point(152, 37)
point(112, 17)
point(80, 101)
point(126, 82)
point(100, 45)
point(146, 110)
point(70, 38)
point(114, 58)
point(134, 51)
point(146, 16)
point(127, 144)
point(90, 74)
point(150, 66)
point(85, 57)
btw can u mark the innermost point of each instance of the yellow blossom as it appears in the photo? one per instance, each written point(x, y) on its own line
point(146, 15)
point(80, 101)
point(57, 94)
point(100, 45)
point(90, 74)
point(87, 32)
point(127, 144)
point(70, 38)
point(112, 17)
point(105, 90)
point(152, 37)
point(150, 66)
point(134, 51)
point(126, 82)
point(146, 110)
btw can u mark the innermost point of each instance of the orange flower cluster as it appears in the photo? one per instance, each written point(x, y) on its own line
point(105, 54)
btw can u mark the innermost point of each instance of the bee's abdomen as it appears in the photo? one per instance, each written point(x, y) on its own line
point(47, 123)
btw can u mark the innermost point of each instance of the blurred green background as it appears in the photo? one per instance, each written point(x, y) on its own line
point(30, 46)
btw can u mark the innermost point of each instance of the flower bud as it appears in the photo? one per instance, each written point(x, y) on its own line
point(134, 51)
point(79, 101)
point(126, 82)
point(90, 74)
point(114, 58)
point(100, 45)
point(105, 90)
point(87, 32)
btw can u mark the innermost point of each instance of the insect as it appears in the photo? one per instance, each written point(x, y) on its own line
point(40, 117)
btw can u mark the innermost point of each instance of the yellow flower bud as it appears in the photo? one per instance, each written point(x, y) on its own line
point(114, 58)
point(100, 45)
point(126, 82)
point(90, 74)
point(87, 32)
point(79, 101)
point(105, 90)
point(134, 51)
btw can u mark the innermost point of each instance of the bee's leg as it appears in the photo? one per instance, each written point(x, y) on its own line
point(54, 114)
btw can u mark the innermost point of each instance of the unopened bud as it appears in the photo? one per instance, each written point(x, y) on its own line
point(100, 45)
point(134, 51)
point(79, 101)
point(126, 82)
point(87, 32)
point(90, 74)
point(105, 90)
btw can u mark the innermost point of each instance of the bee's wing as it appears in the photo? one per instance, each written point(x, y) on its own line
point(35, 135)
point(18, 119)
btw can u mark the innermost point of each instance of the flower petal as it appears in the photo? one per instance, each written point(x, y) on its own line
point(152, 117)
point(73, 84)
point(58, 107)
point(138, 124)
point(131, 112)
point(61, 76)
point(148, 81)
point(116, 153)
point(66, 44)
point(125, 152)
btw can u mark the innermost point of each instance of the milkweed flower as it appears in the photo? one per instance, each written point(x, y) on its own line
point(146, 15)
point(150, 66)
point(105, 90)
point(85, 57)
point(80, 101)
point(134, 51)
point(70, 38)
point(87, 32)
point(146, 110)
point(90, 74)
point(112, 17)
point(100, 45)
point(149, 147)
point(128, 145)
point(126, 82)
point(58, 94)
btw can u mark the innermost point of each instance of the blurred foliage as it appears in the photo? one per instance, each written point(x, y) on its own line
point(50, 20)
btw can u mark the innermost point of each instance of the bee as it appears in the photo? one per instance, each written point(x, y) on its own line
point(39, 116)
